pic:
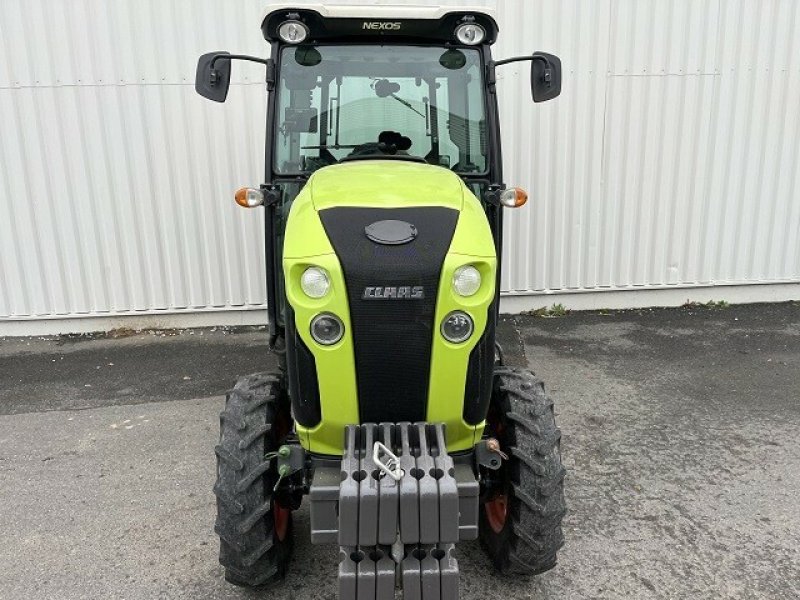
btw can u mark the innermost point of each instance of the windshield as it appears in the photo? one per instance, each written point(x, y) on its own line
point(353, 102)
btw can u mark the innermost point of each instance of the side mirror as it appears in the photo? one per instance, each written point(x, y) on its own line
point(213, 76)
point(545, 76)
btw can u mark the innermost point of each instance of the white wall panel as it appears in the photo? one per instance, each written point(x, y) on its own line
point(672, 157)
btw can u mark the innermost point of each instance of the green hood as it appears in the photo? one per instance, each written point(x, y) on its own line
point(385, 183)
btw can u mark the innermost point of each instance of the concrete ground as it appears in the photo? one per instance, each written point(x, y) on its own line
point(680, 435)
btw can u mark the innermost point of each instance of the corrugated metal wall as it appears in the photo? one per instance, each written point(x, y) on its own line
point(671, 158)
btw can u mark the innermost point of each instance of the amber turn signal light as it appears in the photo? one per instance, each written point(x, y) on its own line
point(249, 197)
point(513, 197)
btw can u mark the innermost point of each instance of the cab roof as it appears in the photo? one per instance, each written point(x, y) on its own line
point(402, 23)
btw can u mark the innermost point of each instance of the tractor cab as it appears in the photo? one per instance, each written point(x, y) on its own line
point(392, 409)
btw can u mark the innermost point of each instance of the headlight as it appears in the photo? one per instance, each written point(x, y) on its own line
point(457, 327)
point(466, 280)
point(293, 32)
point(327, 329)
point(470, 34)
point(314, 282)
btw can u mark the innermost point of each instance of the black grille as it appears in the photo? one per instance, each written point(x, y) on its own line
point(303, 383)
point(392, 336)
point(480, 373)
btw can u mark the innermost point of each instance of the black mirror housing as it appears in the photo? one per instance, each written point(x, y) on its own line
point(545, 76)
point(213, 76)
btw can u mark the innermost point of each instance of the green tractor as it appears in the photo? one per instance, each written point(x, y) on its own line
point(392, 410)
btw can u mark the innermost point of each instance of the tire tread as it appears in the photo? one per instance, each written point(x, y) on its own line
point(532, 536)
point(250, 552)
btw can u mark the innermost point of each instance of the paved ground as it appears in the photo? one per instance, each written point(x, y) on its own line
point(680, 436)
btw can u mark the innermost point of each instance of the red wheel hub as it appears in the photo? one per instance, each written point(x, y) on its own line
point(497, 512)
point(497, 508)
point(280, 517)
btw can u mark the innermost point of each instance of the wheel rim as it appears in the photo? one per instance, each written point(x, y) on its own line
point(497, 512)
point(280, 517)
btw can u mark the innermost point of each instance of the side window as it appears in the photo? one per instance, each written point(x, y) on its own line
point(448, 149)
point(465, 123)
point(477, 120)
point(298, 115)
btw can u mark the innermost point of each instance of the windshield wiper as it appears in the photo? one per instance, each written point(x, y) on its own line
point(331, 147)
point(408, 104)
point(384, 88)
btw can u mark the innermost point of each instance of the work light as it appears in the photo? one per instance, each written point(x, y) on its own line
point(314, 282)
point(457, 327)
point(327, 329)
point(470, 34)
point(293, 32)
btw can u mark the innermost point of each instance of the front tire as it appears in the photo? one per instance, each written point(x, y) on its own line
point(255, 532)
point(520, 523)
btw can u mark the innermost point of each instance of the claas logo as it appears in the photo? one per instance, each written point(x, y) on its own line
point(390, 292)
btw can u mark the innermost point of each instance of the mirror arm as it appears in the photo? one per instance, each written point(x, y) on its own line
point(548, 70)
point(270, 78)
point(268, 62)
point(263, 61)
point(491, 76)
point(505, 61)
